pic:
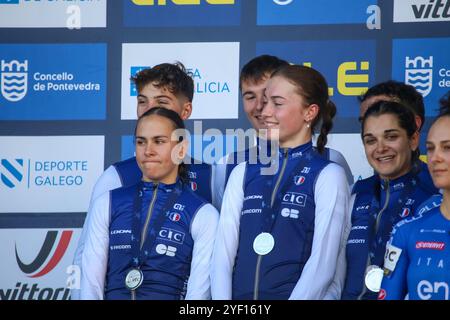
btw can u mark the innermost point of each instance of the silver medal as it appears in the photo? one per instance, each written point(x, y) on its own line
point(134, 279)
point(373, 278)
point(263, 243)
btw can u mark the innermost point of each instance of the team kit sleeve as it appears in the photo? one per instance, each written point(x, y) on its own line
point(331, 196)
point(94, 258)
point(219, 176)
point(334, 291)
point(396, 262)
point(108, 180)
point(227, 238)
point(203, 231)
point(338, 158)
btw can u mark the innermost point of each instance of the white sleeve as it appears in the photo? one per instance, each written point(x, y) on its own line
point(94, 257)
point(331, 197)
point(338, 158)
point(109, 180)
point(334, 292)
point(226, 245)
point(203, 231)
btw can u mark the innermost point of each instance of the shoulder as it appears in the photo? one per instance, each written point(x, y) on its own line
point(408, 225)
point(365, 185)
point(131, 162)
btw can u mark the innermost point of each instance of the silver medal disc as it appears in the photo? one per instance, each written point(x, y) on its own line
point(134, 279)
point(373, 278)
point(263, 243)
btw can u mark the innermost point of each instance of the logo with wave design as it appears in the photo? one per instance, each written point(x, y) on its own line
point(14, 80)
point(11, 172)
point(419, 74)
point(37, 268)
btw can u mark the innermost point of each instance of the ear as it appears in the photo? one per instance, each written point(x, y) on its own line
point(186, 110)
point(311, 112)
point(418, 122)
point(180, 151)
point(414, 141)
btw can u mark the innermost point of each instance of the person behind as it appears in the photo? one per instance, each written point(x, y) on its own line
point(167, 85)
point(154, 239)
point(252, 82)
point(278, 235)
point(390, 139)
point(418, 253)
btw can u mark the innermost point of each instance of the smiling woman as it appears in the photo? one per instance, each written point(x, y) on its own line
point(390, 139)
point(418, 254)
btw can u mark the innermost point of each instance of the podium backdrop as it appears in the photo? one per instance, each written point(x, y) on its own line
point(68, 109)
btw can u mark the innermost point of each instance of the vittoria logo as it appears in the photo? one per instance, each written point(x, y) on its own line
point(41, 264)
point(11, 172)
point(14, 79)
point(419, 73)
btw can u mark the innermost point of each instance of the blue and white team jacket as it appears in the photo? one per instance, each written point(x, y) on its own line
point(417, 262)
point(230, 161)
point(126, 173)
point(377, 206)
point(309, 206)
point(179, 254)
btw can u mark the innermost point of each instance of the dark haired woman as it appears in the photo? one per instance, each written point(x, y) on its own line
point(152, 240)
point(393, 193)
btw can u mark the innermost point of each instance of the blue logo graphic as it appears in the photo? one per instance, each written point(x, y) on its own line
point(12, 172)
point(9, 1)
point(348, 66)
point(424, 64)
point(299, 12)
point(133, 72)
point(52, 82)
point(173, 13)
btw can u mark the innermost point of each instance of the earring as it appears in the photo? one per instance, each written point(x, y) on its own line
point(308, 125)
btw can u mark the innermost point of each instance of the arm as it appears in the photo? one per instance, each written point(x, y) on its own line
point(335, 290)
point(227, 238)
point(219, 172)
point(203, 231)
point(94, 258)
point(394, 286)
point(331, 196)
point(109, 180)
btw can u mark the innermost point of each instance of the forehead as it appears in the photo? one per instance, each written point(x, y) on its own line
point(381, 123)
point(151, 89)
point(440, 130)
point(154, 125)
point(280, 85)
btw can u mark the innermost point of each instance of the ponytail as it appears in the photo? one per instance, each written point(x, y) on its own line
point(327, 124)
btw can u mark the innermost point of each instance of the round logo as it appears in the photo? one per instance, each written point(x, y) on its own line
point(134, 279)
point(263, 243)
point(405, 212)
point(382, 294)
point(298, 180)
point(193, 185)
point(174, 216)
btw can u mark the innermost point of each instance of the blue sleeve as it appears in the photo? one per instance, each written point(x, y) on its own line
point(394, 285)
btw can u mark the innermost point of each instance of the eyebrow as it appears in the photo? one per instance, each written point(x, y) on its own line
point(444, 141)
point(155, 97)
point(385, 131)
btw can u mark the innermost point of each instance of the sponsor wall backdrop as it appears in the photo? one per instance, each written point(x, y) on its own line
point(67, 107)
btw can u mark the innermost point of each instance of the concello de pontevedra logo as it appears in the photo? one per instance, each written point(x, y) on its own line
point(36, 268)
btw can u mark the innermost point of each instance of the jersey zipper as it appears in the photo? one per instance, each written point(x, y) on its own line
point(377, 225)
point(145, 228)
point(272, 199)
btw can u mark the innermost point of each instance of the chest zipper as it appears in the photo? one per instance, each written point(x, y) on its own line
point(377, 225)
point(145, 228)
point(272, 199)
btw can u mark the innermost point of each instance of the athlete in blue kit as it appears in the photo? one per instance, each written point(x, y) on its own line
point(169, 86)
point(154, 239)
point(279, 234)
point(417, 259)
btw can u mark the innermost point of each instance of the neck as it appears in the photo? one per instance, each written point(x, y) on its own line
point(301, 138)
point(445, 206)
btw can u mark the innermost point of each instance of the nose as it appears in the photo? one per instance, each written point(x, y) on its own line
point(434, 156)
point(149, 149)
point(267, 109)
point(381, 146)
point(260, 103)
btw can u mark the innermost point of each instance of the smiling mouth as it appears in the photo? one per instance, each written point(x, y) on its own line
point(385, 158)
